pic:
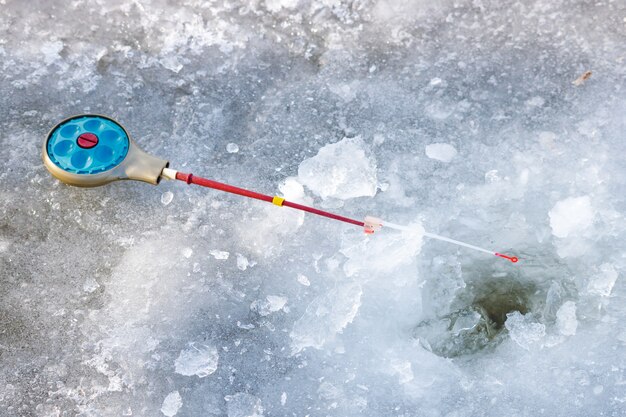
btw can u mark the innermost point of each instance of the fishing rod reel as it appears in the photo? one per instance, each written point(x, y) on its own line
point(90, 150)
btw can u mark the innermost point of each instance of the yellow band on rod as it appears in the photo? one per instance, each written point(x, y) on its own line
point(278, 201)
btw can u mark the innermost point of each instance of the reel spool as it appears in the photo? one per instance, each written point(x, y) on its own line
point(90, 150)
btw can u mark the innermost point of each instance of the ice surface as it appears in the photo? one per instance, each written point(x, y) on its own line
point(171, 404)
point(105, 292)
point(441, 151)
point(340, 170)
point(200, 360)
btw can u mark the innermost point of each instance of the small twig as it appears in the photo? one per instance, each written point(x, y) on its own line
point(581, 80)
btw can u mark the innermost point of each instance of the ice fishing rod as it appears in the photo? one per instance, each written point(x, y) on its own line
point(90, 150)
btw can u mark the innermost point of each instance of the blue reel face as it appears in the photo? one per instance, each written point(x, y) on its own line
point(87, 144)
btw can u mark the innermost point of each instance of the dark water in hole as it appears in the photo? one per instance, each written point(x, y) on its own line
point(480, 296)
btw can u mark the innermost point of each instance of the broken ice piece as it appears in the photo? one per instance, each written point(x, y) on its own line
point(441, 152)
point(200, 361)
point(524, 330)
point(171, 404)
point(467, 320)
point(219, 254)
point(167, 198)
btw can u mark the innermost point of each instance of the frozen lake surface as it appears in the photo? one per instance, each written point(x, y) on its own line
point(461, 117)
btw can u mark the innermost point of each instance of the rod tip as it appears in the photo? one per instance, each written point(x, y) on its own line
point(513, 259)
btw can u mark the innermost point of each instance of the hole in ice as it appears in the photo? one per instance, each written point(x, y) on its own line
point(479, 323)
point(471, 304)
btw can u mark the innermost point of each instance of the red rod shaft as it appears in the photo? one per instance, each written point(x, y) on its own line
point(323, 213)
point(192, 179)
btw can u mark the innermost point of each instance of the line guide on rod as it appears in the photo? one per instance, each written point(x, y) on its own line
point(90, 150)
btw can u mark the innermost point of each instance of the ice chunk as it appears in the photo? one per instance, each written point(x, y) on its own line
point(90, 285)
point(330, 392)
point(276, 302)
point(232, 148)
point(566, 319)
point(219, 254)
point(435, 81)
point(602, 283)
point(467, 320)
point(340, 170)
point(244, 405)
point(441, 151)
point(302, 279)
point(554, 300)
point(187, 252)
point(492, 176)
point(199, 360)
point(523, 329)
point(292, 189)
point(167, 197)
point(171, 63)
point(571, 216)
point(171, 404)
point(326, 316)
point(271, 304)
point(242, 262)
